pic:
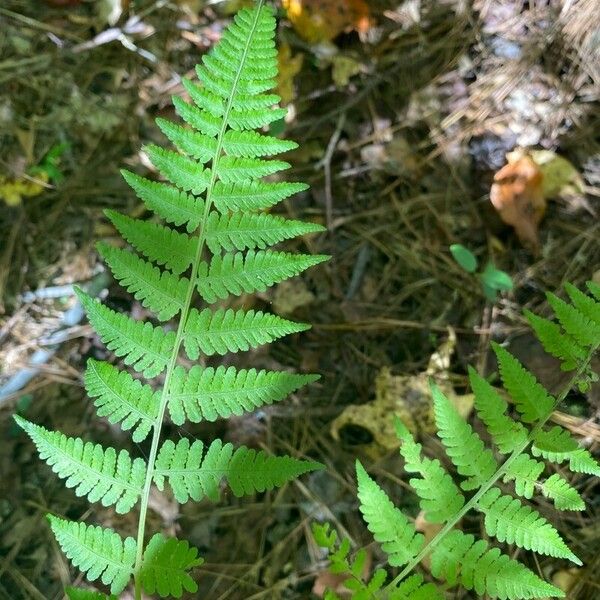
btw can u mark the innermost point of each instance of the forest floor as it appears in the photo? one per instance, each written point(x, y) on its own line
point(404, 113)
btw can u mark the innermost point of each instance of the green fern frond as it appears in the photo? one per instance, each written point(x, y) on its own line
point(525, 472)
point(147, 349)
point(389, 526)
point(232, 169)
point(578, 325)
point(414, 588)
point(97, 552)
point(556, 343)
point(165, 567)
point(201, 120)
point(251, 143)
point(197, 145)
point(225, 331)
point(191, 474)
point(583, 303)
point(121, 398)
point(173, 205)
point(235, 274)
point(459, 558)
point(563, 494)
point(241, 231)
point(252, 195)
point(594, 289)
point(163, 245)
point(208, 394)
point(464, 447)
point(96, 472)
point(159, 291)
point(509, 521)
point(531, 398)
point(439, 496)
point(491, 408)
point(81, 594)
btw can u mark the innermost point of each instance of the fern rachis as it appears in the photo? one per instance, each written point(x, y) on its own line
point(213, 189)
point(513, 458)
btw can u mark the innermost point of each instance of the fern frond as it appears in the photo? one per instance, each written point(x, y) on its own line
point(556, 343)
point(232, 169)
point(525, 472)
point(225, 331)
point(509, 521)
point(160, 291)
point(563, 494)
point(389, 526)
point(163, 245)
point(459, 558)
point(531, 398)
point(594, 289)
point(251, 143)
point(147, 349)
point(165, 567)
point(491, 408)
point(166, 201)
point(414, 588)
point(252, 195)
point(186, 173)
point(191, 474)
point(197, 145)
point(98, 552)
point(464, 447)
point(440, 498)
point(96, 472)
point(235, 274)
point(121, 398)
point(241, 231)
point(207, 394)
point(577, 324)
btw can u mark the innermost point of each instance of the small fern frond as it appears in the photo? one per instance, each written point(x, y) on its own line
point(459, 558)
point(173, 205)
point(252, 195)
point(509, 521)
point(165, 567)
point(191, 474)
point(525, 472)
point(232, 168)
point(562, 493)
point(491, 408)
point(584, 304)
point(389, 526)
point(414, 588)
point(208, 394)
point(235, 274)
point(197, 145)
point(241, 231)
point(225, 331)
point(121, 398)
point(161, 244)
point(556, 343)
point(531, 398)
point(464, 447)
point(578, 325)
point(98, 552)
point(556, 445)
point(96, 472)
point(440, 498)
point(252, 143)
point(159, 291)
point(147, 349)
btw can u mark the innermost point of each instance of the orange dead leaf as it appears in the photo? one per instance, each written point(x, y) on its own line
point(322, 20)
point(518, 197)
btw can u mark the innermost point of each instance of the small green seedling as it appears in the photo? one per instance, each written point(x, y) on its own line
point(493, 280)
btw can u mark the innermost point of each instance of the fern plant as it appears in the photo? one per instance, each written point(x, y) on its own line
point(215, 245)
point(517, 454)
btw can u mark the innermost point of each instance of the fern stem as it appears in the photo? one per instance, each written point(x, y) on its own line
point(472, 502)
point(157, 427)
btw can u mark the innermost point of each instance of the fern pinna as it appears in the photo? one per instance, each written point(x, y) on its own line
point(517, 454)
point(215, 245)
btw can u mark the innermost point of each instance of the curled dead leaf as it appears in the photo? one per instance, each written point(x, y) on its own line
point(517, 195)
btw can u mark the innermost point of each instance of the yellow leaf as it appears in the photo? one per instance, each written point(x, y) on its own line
point(289, 67)
point(12, 191)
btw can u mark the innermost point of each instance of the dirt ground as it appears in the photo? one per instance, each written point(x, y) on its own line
point(403, 118)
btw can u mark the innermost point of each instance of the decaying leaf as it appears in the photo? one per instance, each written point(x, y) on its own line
point(290, 295)
point(517, 195)
point(322, 20)
point(343, 67)
point(559, 176)
point(289, 67)
point(12, 191)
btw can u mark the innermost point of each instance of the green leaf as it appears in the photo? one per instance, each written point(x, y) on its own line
point(464, 257)
point(81, 594)
point(495, 279)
